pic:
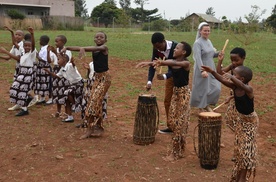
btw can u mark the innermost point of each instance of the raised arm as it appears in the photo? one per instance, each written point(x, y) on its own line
point(143, 64)
point(219, 77)
point(171, 62)
point(12, 37)
point(247, 88)
point(220, 69)
point(31, 30)
point(51, 73)
point(87, 49)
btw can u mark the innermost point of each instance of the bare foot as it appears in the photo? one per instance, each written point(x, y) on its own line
point(169, 158)
point(88, 133)
point(98, 131)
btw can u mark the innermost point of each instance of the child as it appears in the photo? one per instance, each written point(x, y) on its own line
point(17, 50)
point(73, 92)
point(59, 83)
point(24, 79)
point(43, 79)
point(100, 86)
point(90, 81)
point(237, 56)
point(179, 112)
point(247, 122)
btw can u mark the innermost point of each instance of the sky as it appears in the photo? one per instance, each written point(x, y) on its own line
point(232, 9)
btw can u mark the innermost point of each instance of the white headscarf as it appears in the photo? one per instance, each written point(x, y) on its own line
point(198, 29)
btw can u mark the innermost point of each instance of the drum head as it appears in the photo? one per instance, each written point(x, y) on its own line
point(209, 114)
point(146, 95)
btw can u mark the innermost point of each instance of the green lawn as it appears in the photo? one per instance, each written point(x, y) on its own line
point(129, 44)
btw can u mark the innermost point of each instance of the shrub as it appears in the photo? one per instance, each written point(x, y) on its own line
point(14, 14)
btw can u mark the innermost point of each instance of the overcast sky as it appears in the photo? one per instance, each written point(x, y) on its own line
point(232, 9)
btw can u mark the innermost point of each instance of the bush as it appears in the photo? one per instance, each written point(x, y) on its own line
point(14, 14)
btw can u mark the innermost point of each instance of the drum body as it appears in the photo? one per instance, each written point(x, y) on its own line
point(209, 134)
point(146, 120)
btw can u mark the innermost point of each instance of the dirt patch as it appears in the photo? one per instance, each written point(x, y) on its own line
point(39, 147)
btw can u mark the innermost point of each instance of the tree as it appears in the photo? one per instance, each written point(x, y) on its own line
point(80, 8)
point(140, 10)
point(274, 10)
point(245, 33)
point(106, 13)
point(112, 2)
point(125, 4)
point(254, 16)
point(210, 11)
point(142, 15)
point(141, 3)
point(271, 20)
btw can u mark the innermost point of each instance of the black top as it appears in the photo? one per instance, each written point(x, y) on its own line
point(100, 62)
point(180, 77)
point(157, 54)
point(244, 104)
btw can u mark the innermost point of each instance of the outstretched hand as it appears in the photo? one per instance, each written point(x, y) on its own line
point(221, 55)
point(7, 28)
point(3, 50)
point(51, 48)
point(143, 64)
point(206, 68)
point(31, 30)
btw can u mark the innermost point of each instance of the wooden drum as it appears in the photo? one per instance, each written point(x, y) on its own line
point(146, 120)
point(209, 134)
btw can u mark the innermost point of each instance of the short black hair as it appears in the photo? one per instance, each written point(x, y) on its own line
point(245, 72)
point(28, 36)
point(187, 47)
point(157, 37)
point(45, 39)
point(240, 51)
point(63, 38)
point(64, 57)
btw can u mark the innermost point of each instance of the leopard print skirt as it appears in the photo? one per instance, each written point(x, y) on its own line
point(245, 137)
point(178, 121)
point(87, 94)
point(231, 115)
point(99, 89)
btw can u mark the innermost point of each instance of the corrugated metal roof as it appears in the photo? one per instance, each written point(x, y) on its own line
point(32, 5)
point(208, 18)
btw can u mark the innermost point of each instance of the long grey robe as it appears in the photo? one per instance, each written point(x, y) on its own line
point(205, 91)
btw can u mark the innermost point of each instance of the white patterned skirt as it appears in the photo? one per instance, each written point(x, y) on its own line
point(42, 80)
point(21, 86)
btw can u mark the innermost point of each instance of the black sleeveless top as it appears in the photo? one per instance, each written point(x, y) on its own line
point(180, 77)
point(100, 62)
point(244, 104)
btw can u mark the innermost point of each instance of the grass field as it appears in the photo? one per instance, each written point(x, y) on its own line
point(135, 45)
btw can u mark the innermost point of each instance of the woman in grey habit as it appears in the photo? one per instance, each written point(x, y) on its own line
point(205, 88)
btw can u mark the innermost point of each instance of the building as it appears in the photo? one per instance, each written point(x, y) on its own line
point(39, 7)
point(197, 18)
